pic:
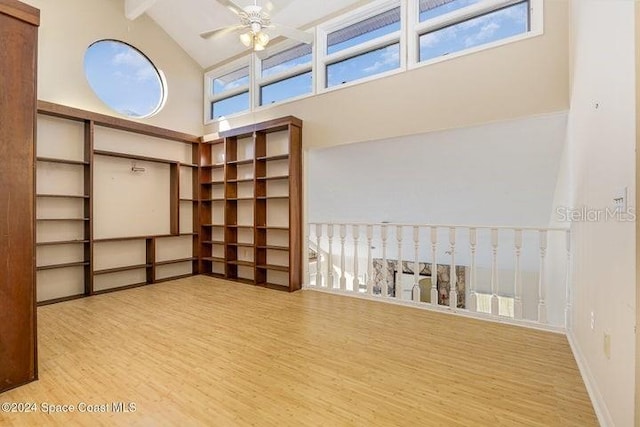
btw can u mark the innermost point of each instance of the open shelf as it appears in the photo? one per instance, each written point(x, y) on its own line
point(213, 259)
point(65, 265)
point(61, 242)
point(273, 248)
point(62, 219)
point(272, 178)
point(278, 157)
point(273, 267)
point(175, 261)
point(120, 269)
point(62, 196)
point(63, 161)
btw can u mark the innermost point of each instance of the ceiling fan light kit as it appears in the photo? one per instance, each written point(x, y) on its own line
point(254, 20)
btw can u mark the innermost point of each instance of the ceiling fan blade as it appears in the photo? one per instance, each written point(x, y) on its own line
point(291, 33)
point(269, 6)
point(220, 32)
point(233, 7)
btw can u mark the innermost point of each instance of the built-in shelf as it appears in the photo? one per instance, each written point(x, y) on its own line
point(62, 219)
point(63, 196)
point(213, 166)
point(175, 261)
point(276, 154)
point(121, 269)
point(63, 161)
point(278, 157)
point(141, 158)
point(273, 267)
point(273, 248)
point(62, 242)
point(127, 238)
point(64, 265)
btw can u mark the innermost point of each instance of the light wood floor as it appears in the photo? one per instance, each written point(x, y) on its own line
point(201, 351)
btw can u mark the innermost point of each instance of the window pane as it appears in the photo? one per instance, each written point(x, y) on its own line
point(368, 64)
point(433, 8)
point(484, 29)
point(385, 23)
point(285, 60)
point(231, 105)
point(230, 81)
point(124, 78)
point(285, 89)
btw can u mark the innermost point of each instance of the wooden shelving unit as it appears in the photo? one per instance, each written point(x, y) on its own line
point(65, 197)
point(250, 185)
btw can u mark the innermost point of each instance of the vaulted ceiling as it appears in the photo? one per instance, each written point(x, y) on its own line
point(184, 20)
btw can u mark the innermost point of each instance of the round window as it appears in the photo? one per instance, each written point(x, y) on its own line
point(124, 78)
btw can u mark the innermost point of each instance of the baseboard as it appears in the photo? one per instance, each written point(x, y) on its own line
point(597, 401)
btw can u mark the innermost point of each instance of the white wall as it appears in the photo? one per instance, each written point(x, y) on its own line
point(520, 79)
point(496, 174)
point(602, 133)
point(68, 27)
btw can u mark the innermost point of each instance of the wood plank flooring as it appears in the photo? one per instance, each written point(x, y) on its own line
point(202, 351)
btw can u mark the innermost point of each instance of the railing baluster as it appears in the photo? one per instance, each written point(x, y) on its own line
point(398, 290)
point(434, 266)
point(542, 307)
point(385, 267)
point(343, 266)
point(369, 260)
point(318, 256)
point(415, 292)
point(330, 257)
point(517, 282)
point(495, 302)
point(567, 310)
point(453, 277)
point(356, 237)
point(473, 242)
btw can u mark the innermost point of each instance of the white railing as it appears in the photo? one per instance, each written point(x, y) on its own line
point(512, 274)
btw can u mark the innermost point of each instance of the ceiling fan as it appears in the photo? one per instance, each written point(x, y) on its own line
point(255, 28)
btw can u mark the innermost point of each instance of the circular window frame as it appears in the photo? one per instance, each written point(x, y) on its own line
point(164, 89)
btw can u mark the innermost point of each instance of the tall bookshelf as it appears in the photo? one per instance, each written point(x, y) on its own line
point(250, 205)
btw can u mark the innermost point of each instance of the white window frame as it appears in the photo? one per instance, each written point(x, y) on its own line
point(210, 97)
point(376, 8)
point(417, 28)
point(407, 37)
point(259, 81)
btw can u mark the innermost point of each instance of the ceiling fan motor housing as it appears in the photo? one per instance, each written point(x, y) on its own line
point(255, 17)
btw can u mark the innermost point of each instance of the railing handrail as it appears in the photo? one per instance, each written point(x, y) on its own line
point(483, 227)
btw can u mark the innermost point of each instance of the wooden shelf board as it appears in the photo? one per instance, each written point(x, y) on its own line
point(214, 142)
point(134, 157)
point(167, 279)
point(239, 226)
point(61, 299)
point(175, 261)
point(278, 157)
point(272, 198)
point(120, 288)
point(62, 219)
point(241, 245)
point(213, 242)
point(127, 238)
point(240, 162)
point(231, 181)
point(238, 198)
point(63, 196)
point(120, 269)
point(272, 178)
point(61, 242)
point(241, 263)
point(268, 227)
point(212, 225)
point(188, 200)
point(217, 199)
point(188, 165)
point(213, 259)
point(273, 267)
point(213, 166)
point(274, 248)
point(63, 161)
point(66, 265)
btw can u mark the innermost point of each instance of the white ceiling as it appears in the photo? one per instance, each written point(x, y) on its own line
point(184, 20)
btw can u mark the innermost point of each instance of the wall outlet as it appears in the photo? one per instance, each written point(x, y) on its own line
point(593, 321)
point(607, 345)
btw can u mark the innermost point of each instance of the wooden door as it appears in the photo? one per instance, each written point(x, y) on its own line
point(18, 46)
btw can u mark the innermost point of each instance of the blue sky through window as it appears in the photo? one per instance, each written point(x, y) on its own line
point(285, 89)
point(123, 78)
point(231, 105)
point(484, 29)
point(364, 65)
